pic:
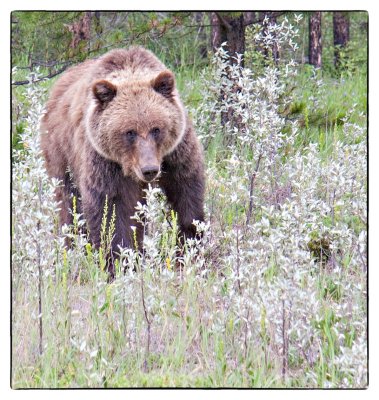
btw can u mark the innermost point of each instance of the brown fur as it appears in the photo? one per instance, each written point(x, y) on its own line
point(111, 125)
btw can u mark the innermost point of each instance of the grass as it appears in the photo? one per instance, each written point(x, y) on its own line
point(185, 355)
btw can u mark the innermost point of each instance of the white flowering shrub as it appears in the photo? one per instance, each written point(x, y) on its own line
point(273, 295)
point(296, 233)
point(33, 208)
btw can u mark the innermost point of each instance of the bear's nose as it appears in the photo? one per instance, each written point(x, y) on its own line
point(150, 172)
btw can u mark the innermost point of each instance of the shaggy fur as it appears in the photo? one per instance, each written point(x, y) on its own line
point(112, 125)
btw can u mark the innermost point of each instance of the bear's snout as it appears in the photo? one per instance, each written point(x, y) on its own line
point(147, 154)
point(150, 172)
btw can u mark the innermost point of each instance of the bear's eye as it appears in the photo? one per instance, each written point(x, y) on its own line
point(155, 132)
point(131, 135)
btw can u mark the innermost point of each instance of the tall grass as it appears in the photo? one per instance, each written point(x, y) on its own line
point(273, 295)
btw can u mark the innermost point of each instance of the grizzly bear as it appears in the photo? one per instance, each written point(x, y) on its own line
point(112, 125)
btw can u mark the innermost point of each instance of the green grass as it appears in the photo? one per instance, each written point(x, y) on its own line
point(323, 123)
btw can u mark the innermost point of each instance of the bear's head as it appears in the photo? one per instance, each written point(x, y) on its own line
point(136, 124)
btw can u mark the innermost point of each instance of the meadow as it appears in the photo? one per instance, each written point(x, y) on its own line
point(274, 295)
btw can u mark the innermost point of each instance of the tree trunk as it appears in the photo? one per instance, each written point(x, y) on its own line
point(218, 32)
point(98, 27)
point(269, 18)
point(235, 34)
point(341, 33)
point(315, 44)
point(231, 29)
point(199, 17)
point(249, 17)
point(236, 37)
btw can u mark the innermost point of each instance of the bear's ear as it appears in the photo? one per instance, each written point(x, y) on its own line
point(104, 91)
point(164, 83)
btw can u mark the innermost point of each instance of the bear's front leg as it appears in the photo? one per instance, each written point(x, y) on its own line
point(122, 236)
point(183, 182)
point(121, 194)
